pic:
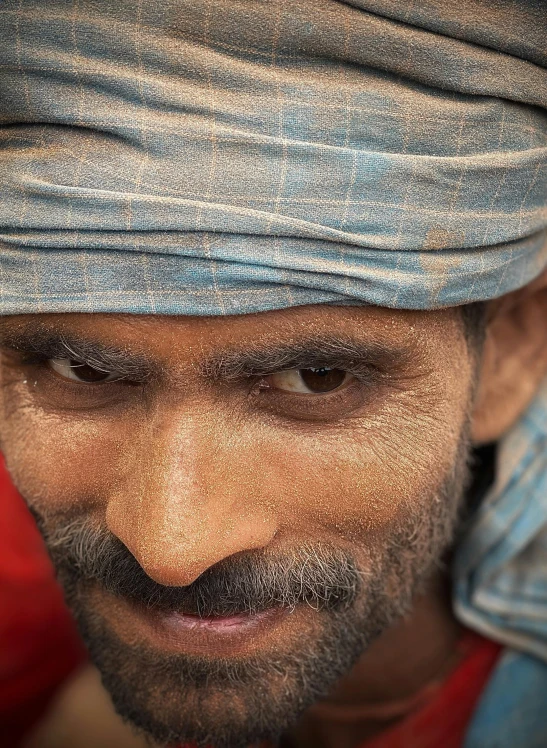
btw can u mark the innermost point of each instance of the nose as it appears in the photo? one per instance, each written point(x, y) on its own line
point(189, 497)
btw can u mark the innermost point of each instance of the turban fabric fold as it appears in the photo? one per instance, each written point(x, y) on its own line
point(231, 156)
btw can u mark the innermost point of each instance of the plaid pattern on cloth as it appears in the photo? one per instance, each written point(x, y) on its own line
point(223, 156)
point(500, 587)
point(500, 566)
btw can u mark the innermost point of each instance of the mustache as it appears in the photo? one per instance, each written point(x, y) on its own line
point(322, 576)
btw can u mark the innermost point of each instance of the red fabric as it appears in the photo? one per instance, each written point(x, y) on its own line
point(444, 718)
point(39, 645)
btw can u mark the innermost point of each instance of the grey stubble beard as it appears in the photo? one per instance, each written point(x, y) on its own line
point(178, 699)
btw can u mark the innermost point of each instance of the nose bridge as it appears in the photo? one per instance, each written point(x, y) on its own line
point(181, 505)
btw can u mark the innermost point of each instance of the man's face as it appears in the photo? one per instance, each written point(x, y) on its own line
point(237, 506)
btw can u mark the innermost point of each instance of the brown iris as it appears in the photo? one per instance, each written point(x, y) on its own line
point(87, 373)
point(322, 379)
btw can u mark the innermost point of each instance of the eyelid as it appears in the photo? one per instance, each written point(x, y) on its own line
point(62, 367)
point(294, 382)
point(306, 410)
point(129, 373)
point(365, 371)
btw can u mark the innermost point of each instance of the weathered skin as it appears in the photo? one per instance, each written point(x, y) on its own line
point(188, 469)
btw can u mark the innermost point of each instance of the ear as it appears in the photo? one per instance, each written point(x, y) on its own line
point(514, 360)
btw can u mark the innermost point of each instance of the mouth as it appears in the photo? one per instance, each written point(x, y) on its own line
point(219, 624)
point(186, 633)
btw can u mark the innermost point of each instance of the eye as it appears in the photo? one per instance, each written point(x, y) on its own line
point(78, 371)
point(313, 381)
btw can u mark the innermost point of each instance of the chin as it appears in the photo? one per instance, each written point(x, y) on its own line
point(251, 688)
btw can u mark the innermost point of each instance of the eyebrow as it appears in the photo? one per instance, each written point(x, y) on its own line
point(263, 357)
point(44, 344)
point(337, 351)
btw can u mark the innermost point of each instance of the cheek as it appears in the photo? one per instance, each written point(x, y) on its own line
point(365, 476)
point(56, 461)
point(343, 485)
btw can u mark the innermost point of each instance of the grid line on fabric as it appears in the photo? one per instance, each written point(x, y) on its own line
point(500, 181)
point(21, 69)
point(145, 151)
point(533, 180)
point(323, 121)
point(231, 47)
point(144, 160)
point(74, 15)
point(213, 270)
point(166, 128)
point(104, 195)
point(348, 130)
point(278, 190)
point(210, 137)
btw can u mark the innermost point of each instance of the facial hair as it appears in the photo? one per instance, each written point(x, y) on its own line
point(176, 699)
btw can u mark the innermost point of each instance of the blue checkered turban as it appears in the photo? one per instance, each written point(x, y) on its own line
point(223, 156)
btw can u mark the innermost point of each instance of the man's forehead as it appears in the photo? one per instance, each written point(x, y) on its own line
point(251, 340)
point(241, 330)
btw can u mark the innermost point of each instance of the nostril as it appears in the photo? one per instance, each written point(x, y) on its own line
point(176, 553)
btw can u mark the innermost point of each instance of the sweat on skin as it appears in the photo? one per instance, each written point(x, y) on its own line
point(204, 461)
point(141, 443)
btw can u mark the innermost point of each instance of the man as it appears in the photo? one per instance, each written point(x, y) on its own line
point(272, 274)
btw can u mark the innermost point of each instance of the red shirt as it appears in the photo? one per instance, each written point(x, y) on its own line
point(39, 647)
point(446, 709)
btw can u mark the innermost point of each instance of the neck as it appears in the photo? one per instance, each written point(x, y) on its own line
point(384, 684)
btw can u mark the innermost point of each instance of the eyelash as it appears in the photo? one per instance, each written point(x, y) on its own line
point(40, 360)
point(284, 406)
point(366, 373)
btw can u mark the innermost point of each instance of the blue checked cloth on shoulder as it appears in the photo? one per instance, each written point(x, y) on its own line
point(500, 586)
point(223, 157)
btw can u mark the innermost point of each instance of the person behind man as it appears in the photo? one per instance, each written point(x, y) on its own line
point(273, 295)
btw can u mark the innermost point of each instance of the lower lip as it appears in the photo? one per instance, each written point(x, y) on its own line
point(188, 634)
point(220, 625)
